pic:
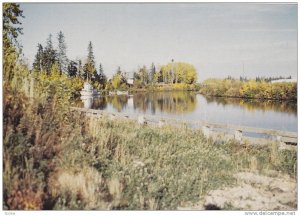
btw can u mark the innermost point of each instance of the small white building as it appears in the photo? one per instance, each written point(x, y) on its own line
point(284, 80)
point(130, 81)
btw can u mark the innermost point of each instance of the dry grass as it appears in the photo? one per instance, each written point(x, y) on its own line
point(146, 167)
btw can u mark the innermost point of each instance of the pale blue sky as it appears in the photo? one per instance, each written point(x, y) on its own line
point(215, 37)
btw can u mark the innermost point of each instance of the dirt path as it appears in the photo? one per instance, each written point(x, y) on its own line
point(253, 192)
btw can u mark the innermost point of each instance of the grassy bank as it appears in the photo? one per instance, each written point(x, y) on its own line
point(55, 159)
point(249, 89)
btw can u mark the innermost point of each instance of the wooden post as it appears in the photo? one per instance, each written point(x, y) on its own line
point(279, 138)
point(282, 145)
point(206, 131)
point(161, 123)
point(141, 120)
point(238, 135)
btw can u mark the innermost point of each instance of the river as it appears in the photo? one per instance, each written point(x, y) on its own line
point(192, 106)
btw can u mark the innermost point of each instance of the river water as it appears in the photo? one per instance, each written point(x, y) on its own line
point(196, 107)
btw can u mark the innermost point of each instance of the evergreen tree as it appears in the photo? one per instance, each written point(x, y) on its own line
point(80, 69)
point(11, 30)
point(72, 68)
point(152, 73)
point(102, 77)
point(38, 61)
point(119, 72)
point(143, 72)
point(89, 67)
point(136, 76)
point(61, 54)
point(49, 56)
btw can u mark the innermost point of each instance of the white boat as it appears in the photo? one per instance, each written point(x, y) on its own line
point(88, 91)
point(122, 93)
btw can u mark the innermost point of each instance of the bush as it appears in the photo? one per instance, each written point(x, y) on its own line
point(249, 89)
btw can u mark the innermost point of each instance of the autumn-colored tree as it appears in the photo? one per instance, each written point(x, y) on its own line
point(118, 79)
point(179, 72)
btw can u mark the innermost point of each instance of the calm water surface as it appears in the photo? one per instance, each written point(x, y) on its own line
point(192, 106)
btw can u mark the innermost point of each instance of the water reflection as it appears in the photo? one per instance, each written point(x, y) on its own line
point(196, 107)
point(181, 102)
point(168, 102)
point(255, 104)
point(119, 102)
point(87, 101)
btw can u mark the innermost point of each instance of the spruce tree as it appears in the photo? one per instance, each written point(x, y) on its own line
point(49, 56)
point(119, 72)
point(152, 73)
point(62, 53)
point(80, 72)
point(102, 77)
point(72, 68)
point(11, 30)
point(38, 61)
point(89, 67)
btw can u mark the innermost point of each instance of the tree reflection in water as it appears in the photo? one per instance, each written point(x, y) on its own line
point(185, 102)
point(256, 104)
point(169, 102)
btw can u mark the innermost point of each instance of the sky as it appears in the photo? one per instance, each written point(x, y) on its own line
point(219, 39)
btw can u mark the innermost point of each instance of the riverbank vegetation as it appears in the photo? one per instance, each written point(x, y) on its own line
point(249, 89)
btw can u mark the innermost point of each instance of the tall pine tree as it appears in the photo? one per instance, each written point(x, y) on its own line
point(62, 53)
point(89, 67)
point(80, 72)
point(49, 56)
point(152, 73)
point(72, 68)
point(38, 61)
point(11, 30)
point(102, 78)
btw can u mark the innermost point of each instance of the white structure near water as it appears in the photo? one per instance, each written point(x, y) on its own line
point(284, 80)
point(88, 91)
point(87, 94)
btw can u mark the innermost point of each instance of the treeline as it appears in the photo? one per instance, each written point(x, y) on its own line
point(47, 56)
point(176, 75)
point(249, 89)
point(260, 79)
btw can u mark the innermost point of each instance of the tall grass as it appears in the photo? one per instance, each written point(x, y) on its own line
point(146, 167)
